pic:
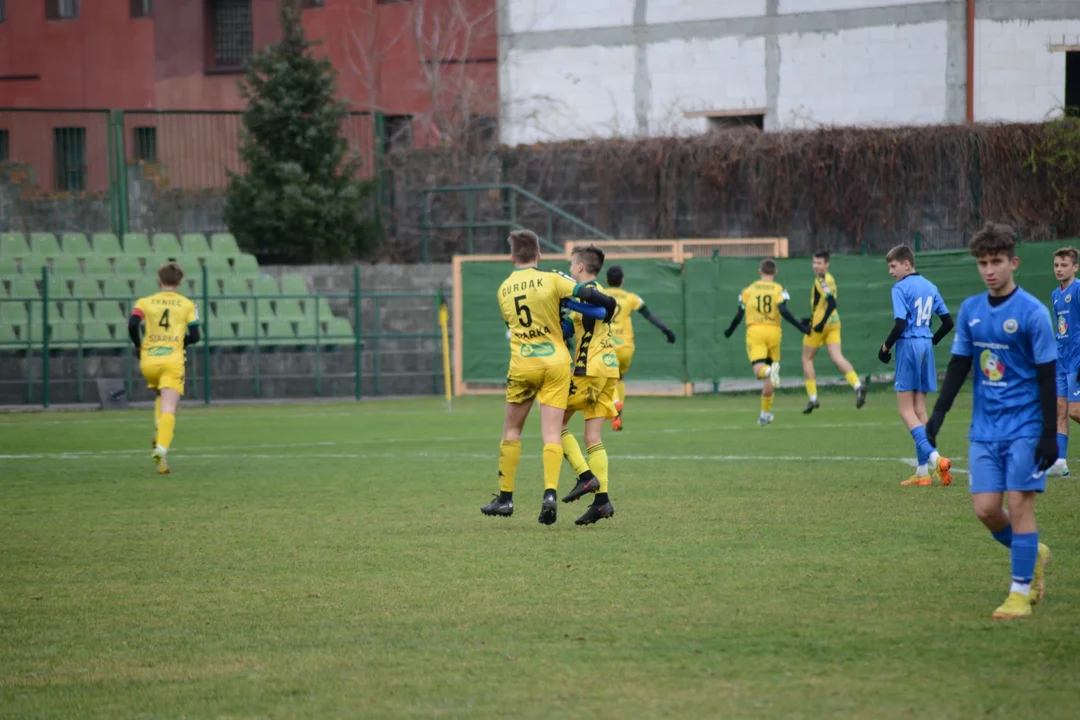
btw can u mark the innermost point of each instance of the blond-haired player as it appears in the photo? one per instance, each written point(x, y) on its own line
point(539, 367)
point(763, 303)
point(162, 325)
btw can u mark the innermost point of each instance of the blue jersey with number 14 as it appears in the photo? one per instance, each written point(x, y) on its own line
point(916, 300)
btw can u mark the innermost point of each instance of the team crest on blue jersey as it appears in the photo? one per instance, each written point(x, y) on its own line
point(992, 367)
point(1068, 298)
point(1063, 326)
point(1010, 326)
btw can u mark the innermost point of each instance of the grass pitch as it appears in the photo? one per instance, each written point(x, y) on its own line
point(331, 561)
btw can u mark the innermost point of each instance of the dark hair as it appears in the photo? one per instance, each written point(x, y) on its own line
point(170, 274)
point(823, 254)
point(901, 253)
point(592, 257)
point(524, 246)
point(1068, 252)
point(994, 238)
point(767, 266)
point(615, 276)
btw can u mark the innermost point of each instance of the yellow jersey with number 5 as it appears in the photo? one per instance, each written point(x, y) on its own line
point(166, 317)
point(530, 302)
point(761, 301)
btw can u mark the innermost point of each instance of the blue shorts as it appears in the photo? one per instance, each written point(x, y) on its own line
point(915, 371)
point(1005, 465)
point(1067, 386)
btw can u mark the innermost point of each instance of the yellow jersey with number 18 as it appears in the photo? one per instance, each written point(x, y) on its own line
point(530, 301)
point(166, 317)
point(761, 301)
point(622, 326)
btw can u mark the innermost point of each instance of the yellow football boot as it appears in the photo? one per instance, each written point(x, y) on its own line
point(1038, 583)
point(924, 481)
point(159, 460)
point(1015, 606)
point(943, 470)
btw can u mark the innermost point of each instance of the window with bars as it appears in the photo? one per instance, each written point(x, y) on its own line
point(61, 9)
point(3, 141)
point(232, 33)
point(142, 8)
point(399, 135)
point(314, 3)
point(69, 158)
point(145, 142)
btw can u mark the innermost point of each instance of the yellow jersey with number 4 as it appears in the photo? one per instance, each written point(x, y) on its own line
point(166, 317)
point(761, 302)
point(824, 286)
point(622, 325)
point(530, 301)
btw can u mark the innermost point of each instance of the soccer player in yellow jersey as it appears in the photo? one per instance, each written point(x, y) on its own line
point(171, 324)
point(592, 391)
point(622, 333)
point(539, 367)
point(763, 303)
point(825, 330)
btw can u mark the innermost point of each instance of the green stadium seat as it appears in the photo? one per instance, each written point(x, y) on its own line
point(217, 265)
point(63, 335)
point(32, 332)
point(307, 329)
point(98, 335)
point(294, 285)
point(116, 288)
point(229, 310)
point(9, 340)
point(76, 244)
point(22, 287)
point(224, 245)
point(289, 309)
point(13, 312)
point(235, 286)
point(195, 244)
point(109, 311)
point(324, 312)
point(32, 265)
point(266, 286)
point(85, 287)
point(97, 266)
point(192, 287)
point(108, 245)
point(66, 266)
point(246, 266)
point(278, 332)
point(9, 267)
point(127, 266)
point(13, 244)
point(67, 311)
point(137, 245)
point(221, 333)
point(247, 330)
point(44, 243)
point(339, 327)
point(59, 287)
point(266, 310)
point(214, 281)
point(145, 285)
point(167, 244)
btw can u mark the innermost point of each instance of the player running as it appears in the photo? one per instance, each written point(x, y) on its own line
point(539, 367)
point(915, 301)
point(1014, 418)
point(171, 324)
point(764, 302)
point(622, 333)
point(824, 323)
point(1065, 300)
point(592, 390)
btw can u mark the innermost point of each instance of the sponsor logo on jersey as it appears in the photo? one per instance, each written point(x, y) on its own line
point(610, 360)
point(544, 349)
point(159, 351)
point(1063, 326)
point(991, 366)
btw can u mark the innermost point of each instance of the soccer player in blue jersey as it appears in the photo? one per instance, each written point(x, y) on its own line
point(915, 301)
point(1014, 418)
point(1065, 300)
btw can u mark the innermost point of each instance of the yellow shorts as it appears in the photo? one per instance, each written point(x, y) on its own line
point(625, 353)
point(829, 336)
point(594, 395)
point(550, 385)
point(763, 343)
point(165, 376)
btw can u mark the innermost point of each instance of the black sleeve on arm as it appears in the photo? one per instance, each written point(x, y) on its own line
point(786, 314)
point(898, 327)
point(593, 296)
point(955, 375)
point(830, 305)
point(735, 321)
point(647, 314)
point(192, 336)
point(134, 330)
point(946, 327)
point(1046, 372)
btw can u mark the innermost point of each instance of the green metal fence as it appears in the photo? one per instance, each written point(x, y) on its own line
point(52, 340)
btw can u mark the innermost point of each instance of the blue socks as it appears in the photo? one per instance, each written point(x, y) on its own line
point(1063, 445)
point(1025, 550)
point(923, 448)
point(1005, 536)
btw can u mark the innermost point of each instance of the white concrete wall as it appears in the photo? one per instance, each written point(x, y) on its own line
point(661, 11)
point(792, 7)
point(538, 15)
point(1017, 78)
point(870, 76)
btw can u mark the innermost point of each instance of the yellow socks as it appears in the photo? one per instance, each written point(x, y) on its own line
point(166, 428)
point(852, 378)
point(598, 461)
point(157, 411)
point(766, 403)
point(763, 372)
point(572, 453)
point(509, 457)
point(552, 465)
point(811, 388)
point(621, 392)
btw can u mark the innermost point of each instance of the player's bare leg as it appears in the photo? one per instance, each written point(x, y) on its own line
point(620, 396)
point(586, 480)
point(509, 456)
point(601, 507)
point(170, 399)
point(842, 364)
point(810, 379)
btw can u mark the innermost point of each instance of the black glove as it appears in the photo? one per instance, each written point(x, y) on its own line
point(884, 355)
point(805, 329)
point(819, 327)
point(1078, 376)
point(609, 314)
point(670, 335)
point(1046, 452)
point(728, 332)
point(933, 427)
point(804, 321)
